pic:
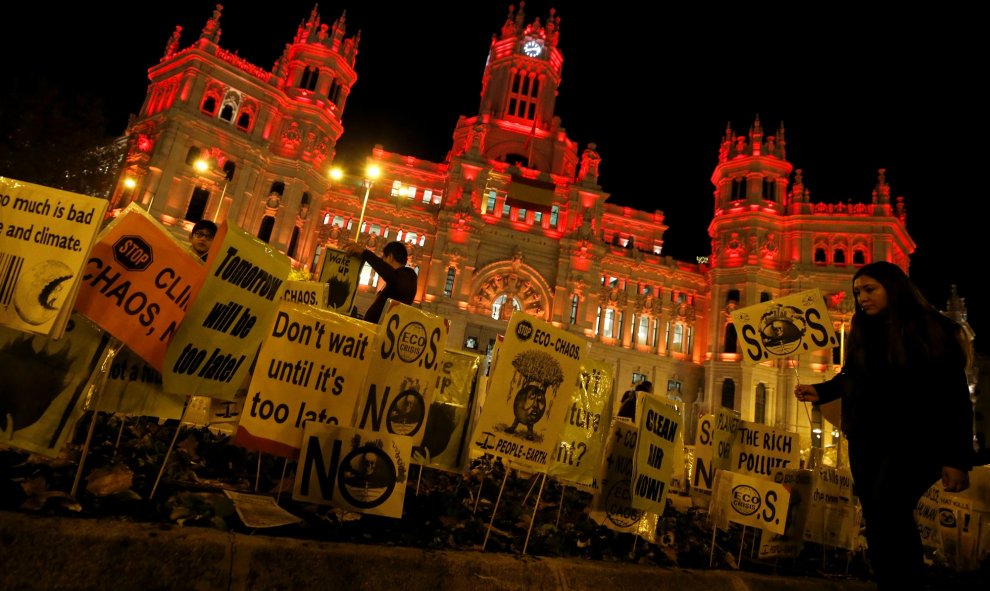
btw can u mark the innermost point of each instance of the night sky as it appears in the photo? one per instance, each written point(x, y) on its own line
point(654, 89)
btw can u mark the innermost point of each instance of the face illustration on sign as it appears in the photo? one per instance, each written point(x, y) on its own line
point(368, 476)
point(782, 328)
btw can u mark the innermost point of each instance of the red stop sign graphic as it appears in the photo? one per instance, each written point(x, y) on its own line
point(132, 253)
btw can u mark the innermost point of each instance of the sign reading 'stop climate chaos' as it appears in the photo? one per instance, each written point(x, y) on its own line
point(523, 412)
point(785, 326)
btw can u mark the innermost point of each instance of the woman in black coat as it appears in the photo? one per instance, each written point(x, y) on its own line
point(906, 412)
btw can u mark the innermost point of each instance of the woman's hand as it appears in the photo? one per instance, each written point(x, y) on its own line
point(355, 249)
point(806, 393)
point(954, 479)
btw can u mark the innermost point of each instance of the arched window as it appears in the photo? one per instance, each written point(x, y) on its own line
point(227, 113)
point(729, 394)
point(265, 231)
point(764, 296)
point(291, 251)
point(193, 155)
point(197, 204)
point(731, 340)
point(732, 296)
point(859, 257)
point(820, 257)
point(448, 286)
point(503, 306)
point(760, 405)
point(244, 121)
point(210, 106)
point(839, 257)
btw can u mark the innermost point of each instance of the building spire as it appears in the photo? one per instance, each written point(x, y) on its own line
point(172, 47)
point(211, 32)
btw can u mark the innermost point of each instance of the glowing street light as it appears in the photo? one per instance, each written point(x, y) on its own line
point(372, 172)
point(203, 167)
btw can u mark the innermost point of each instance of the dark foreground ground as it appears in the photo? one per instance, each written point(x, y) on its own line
point(458, 531)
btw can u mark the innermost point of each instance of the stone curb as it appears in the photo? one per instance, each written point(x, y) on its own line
point(81, 554)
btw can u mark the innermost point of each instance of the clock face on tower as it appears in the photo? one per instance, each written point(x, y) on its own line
point(533, 48)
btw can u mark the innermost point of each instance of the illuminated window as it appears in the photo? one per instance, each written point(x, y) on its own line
point(538, 217)
point(338, 220)
point(554, 213)
point(574, 309)
point(376, 230)
point(643, 330)
point(677, 344)
point(521, 215)
point(368, 276)
point(489, 203)
point(410, 237)
point(506, 210)
point(609, 325)
point(427, 195)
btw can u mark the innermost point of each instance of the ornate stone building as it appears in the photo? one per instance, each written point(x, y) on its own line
point(514, 217)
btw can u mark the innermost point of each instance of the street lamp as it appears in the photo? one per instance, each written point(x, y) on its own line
point(130, 184)
point(372, 172)
point(203, 167)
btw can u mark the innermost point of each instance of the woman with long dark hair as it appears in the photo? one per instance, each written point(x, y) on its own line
point(905, 411)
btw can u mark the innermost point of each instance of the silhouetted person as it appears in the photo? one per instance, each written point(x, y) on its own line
point(627, 407)
point(400, 280)
point(905, 371)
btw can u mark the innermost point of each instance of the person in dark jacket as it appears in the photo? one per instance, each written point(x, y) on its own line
point(906, 412)
point(400, 280)
point(201, 237)
point(627, 406)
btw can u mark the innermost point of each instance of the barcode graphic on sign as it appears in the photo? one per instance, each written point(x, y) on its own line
point(10, 270)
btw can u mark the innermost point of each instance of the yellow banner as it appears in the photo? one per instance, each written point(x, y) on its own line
point(211, 353)
point(340, 272)
point(749, 500)
point(310, 369)
point(660, 436)
point(133, 387)
point(45, 383)
point(353, 469)
point(791, 325)
point(611, 506)
point(307, 293)
point(763, 451)
point(446, 425)
point(406, 358)
point(583, 436)
point(529, 392)
point(138, 282)
point(45, 235)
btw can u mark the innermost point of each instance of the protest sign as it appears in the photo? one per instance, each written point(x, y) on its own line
point(406, 358)
point(340, 272)
point(748, 500)
point(134, 387)
point(529, 392)
point(703, 471)
point(611, 506)
point(764, 451)
point(582, 438)
point(45, 235)
point(446, 424)
point(353, 469)
point(832, 518)
point(726, 424)
point(211, 353)
point(789, 543)
point(659, 435)
point(45, 382)
point(308, 293)
point(784, 326)
point(138, 282)
point(310, 368)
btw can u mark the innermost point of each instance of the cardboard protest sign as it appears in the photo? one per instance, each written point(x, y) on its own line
point(726, 424)
point(138, 282)
point(340, 272)
point(406, 358)
point(703, 471)
point(784, 326)
point(612, 507)
point(926, 516)
point(443, 442)
point(763, 451)
point(659, 436)
point(749, 500)
point(45, 382)
point(789, 543)
point(529, 392)
point(582, 438)
point(310, 369)
point(45, 235)
point(134, 387)
point(353, 469)
point(832, 518)
point(211, 353)
point(307, 293)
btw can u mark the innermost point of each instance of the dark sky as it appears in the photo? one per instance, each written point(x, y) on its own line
point(654, 89)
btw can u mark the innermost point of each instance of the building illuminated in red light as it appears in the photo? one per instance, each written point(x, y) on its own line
point(514, 217)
